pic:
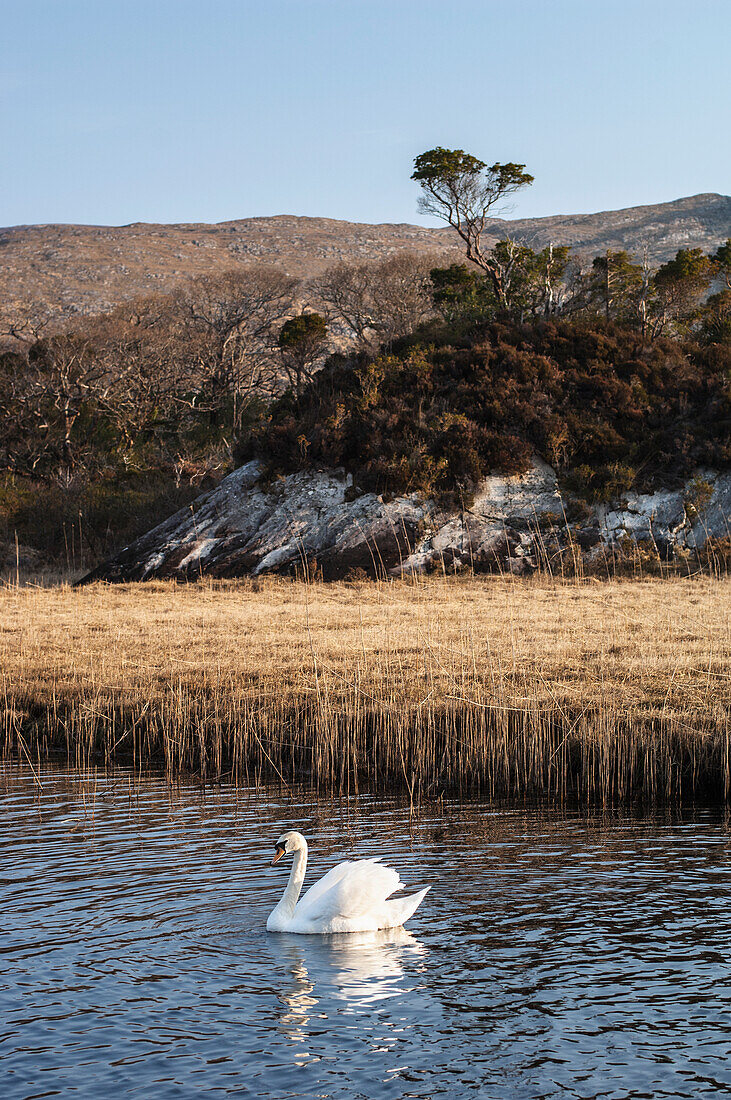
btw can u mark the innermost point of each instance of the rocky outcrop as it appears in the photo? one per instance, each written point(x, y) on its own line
point(319, 520)
point(499, 528)
point(687, 517)
point(247, 527)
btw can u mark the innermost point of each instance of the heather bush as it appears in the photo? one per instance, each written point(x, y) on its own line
point(609, 410)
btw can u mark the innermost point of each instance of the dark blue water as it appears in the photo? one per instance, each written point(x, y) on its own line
point(557, 954)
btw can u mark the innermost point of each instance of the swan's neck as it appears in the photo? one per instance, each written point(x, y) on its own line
point(294, 886)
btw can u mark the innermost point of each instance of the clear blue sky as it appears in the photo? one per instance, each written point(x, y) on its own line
point(203, 110)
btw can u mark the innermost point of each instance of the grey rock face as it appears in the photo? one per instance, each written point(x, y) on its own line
point(496, 531)
point(670, 518)
point(319, 519)
point(714, 521)
point(659, 517)
point(244, 527)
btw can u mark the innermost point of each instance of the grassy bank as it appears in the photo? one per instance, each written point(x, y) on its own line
point(606, 691)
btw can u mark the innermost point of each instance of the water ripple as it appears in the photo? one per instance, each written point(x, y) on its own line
point(558, 955)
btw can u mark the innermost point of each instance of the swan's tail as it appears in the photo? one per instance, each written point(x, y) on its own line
point(400, 909)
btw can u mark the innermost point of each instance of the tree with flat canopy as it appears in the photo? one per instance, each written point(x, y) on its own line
point(460, 189)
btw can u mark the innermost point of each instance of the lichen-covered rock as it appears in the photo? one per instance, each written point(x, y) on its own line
point(497, 532)
point(658, 517)
point(520, 497)
point(714, 519)
point(672, 518)
point(318, 520)
point(247, 527)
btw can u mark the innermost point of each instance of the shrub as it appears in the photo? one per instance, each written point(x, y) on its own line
point(444, 409)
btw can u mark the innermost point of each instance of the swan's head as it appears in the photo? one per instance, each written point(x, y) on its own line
point(288, 843)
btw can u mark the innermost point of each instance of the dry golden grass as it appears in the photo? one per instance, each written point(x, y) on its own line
point(610, 690)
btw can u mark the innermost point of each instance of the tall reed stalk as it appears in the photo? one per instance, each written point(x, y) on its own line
point(602, 692)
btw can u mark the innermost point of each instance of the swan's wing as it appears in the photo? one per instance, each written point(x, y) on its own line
point(400, 909)
point(328, 880)
point(349, 890)
point(322, 885)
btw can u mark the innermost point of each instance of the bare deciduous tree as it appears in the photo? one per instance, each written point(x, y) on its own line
point(232, 322)
point(375, 303)
point(23, 325)
point(44, 393)
point(148, 367)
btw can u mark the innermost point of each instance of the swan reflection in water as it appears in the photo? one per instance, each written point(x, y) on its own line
point(359, 968)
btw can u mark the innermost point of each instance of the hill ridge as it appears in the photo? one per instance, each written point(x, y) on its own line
point(316, 218)
point(63, 269)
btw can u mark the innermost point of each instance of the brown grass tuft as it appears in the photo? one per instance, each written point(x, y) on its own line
point(604, 691)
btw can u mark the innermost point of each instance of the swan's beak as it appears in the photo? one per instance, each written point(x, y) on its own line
point(277, 856)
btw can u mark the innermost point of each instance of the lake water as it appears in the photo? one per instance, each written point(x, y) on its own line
point(558, 954)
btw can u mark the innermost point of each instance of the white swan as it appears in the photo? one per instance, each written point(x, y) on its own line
point(352, 897)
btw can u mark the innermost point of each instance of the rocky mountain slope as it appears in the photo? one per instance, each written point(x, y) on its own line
point(318, 520)
point(63, 270)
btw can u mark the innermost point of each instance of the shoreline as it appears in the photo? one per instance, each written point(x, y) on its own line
point(606, 693)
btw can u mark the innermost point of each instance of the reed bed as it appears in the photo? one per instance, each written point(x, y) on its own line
point(492, 686)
